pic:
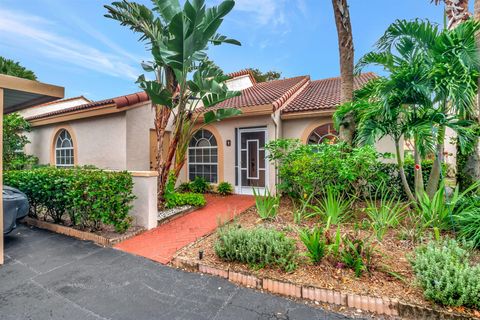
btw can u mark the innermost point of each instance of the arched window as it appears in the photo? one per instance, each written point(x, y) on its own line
point(64, 154)
point(323, 134)
point(203, 156)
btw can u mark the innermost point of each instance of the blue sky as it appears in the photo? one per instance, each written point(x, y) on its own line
point(70, 43)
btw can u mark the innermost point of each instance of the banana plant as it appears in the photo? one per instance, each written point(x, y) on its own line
point(186, 83)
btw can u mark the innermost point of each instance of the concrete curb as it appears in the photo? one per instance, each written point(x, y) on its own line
point(82, 235)
point(381, 306)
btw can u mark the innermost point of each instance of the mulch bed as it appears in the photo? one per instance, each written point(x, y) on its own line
point(391, 275)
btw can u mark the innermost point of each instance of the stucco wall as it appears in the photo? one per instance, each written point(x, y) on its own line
point(99, 141)
point(139, 121)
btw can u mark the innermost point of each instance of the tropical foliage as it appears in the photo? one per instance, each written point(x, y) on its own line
point(185, 79)
point(431, 85)
point(304, 170)
point(14, 142)
point(12, 68)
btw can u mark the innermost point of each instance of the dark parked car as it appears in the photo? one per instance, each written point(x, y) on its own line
point(15, 206)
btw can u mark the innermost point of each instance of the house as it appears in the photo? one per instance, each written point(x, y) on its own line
point(118, 133)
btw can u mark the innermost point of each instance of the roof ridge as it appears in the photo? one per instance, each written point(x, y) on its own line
point(354, 76)
point(277, 104)
point(119, 102)
point(60, 101)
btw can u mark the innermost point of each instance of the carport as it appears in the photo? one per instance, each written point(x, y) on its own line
point(17, 94)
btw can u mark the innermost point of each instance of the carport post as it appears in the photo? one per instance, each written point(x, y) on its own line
point(1, 175)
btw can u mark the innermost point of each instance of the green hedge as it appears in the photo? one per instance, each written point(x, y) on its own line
point(87, 197)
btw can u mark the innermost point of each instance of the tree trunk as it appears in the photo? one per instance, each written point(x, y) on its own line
point(456, 11)
point(346, 54)
point(468, 168)
point(436, 172)
point(419, 187)
point(401, 171)
point(162, 116)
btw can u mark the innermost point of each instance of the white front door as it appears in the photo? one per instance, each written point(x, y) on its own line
point(252, 163)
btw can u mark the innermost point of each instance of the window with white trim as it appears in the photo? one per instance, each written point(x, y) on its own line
point(64, 154)
point(203, 157)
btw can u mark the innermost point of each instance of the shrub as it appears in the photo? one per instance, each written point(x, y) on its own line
point(184, 187)
point(225, 188)
point(384, 212)
point(315, 242)
point(89, 197)
point(356, 254)
point(175, 199)
point(267, 205)
point(200, 185)
point(445, 274)
point(257, 247)
point(306, 169)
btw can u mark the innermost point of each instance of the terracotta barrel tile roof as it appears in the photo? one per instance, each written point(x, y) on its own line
point(119, 102)
point(263, 93)
point(323, 94)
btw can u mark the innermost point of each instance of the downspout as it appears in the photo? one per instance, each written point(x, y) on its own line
point(277, 122)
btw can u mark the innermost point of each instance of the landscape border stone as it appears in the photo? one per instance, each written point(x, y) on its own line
point(380, 306)
point(82, 235)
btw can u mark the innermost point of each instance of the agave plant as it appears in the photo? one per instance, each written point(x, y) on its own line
point(267, 204)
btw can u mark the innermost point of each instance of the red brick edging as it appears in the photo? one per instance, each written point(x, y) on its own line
point(376, 305)
point(83, 235)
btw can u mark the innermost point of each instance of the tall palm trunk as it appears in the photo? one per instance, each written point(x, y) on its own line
point(455, 12)
point(346, 53)
point(468, 166)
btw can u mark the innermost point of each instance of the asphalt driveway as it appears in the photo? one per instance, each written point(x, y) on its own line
point(50, 276)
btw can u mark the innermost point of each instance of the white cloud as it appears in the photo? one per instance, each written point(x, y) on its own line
point(264, 11)
point(271, 12)
point(34, 33)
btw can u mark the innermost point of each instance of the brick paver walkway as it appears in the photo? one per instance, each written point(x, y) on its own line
point(161, 243)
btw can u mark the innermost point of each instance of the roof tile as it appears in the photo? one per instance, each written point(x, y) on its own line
point(323, 94)
point(262, 93)
point(122, 101)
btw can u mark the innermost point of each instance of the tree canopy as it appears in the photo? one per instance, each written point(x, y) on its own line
point(265, 76)
point(12, 68)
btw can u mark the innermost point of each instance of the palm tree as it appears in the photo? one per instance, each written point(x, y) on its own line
point(468, 166)
point(346, 53)
point(424, 63)
point(178, 40)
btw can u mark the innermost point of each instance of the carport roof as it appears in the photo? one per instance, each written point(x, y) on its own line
point(21, 93)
